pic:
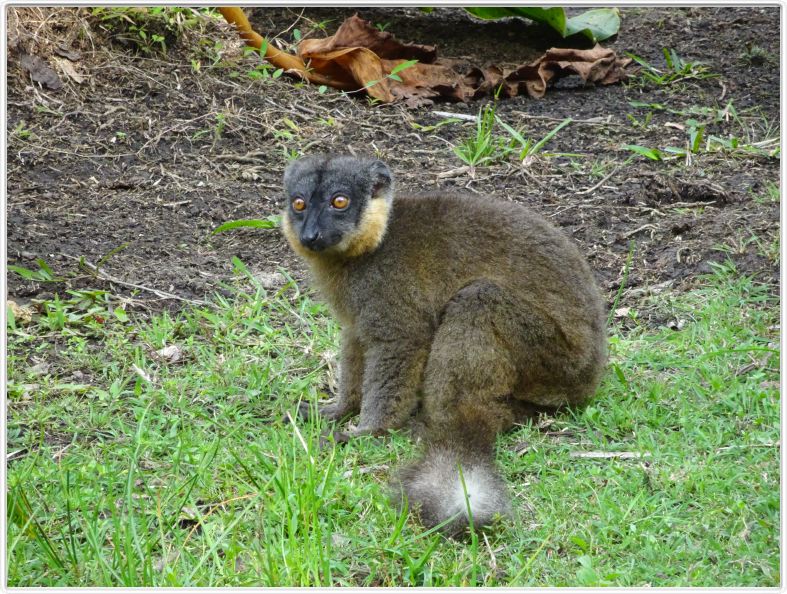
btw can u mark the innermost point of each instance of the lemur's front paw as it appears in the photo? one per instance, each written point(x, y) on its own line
point(334, 412)
point(362, 430)
point(329, 412)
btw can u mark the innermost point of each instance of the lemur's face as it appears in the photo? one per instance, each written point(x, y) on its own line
point(333, 203)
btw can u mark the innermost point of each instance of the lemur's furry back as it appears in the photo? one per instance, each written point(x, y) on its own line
point(458, 312)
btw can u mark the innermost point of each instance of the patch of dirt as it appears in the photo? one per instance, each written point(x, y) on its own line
point(135, 165)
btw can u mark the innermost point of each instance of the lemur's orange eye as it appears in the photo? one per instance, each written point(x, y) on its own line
point(299, 204)
point(340, 202)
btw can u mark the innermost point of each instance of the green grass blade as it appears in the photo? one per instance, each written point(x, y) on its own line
point(267, 223)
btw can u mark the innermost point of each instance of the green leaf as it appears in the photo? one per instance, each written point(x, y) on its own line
point(10, 318)
point(403, 66)
point(239, 267)
point(581, 543)
point(621, 378)
point(650, 153)
point(268, 223)
point(121, 314)
point(550, 134)
point(554, 17)
point(596, 25)
point(43, 274)
point(674, 150)
point(45, 267)
point(25, 273)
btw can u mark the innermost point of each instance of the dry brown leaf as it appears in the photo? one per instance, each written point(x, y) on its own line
point(362, 55)
point(598, 65)
point(356, 32)
point(68, 68)
point(359, 64)
point(170, 354)
point(23, 314)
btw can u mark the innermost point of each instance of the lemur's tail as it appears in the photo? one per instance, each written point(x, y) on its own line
point(437, 492)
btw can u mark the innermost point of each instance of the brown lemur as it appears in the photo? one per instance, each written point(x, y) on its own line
point(467, 311)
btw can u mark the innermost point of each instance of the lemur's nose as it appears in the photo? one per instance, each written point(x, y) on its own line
point(312, 239)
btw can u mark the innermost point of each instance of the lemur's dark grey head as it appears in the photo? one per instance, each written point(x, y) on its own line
point(337, 205)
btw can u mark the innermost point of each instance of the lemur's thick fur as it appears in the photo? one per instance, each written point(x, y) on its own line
point(459, 313)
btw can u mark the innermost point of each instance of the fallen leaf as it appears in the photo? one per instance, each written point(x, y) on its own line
point(67, 52)
point(270, 280)
point(40, 71)
point(622, 312)
point(598, 65)
point(40, 368)
point(676, 324)
point(520, 448)
point(356, 32)
point(68, 69)
point(23, 314)
point(359, 54)
point(171, 353)
point(141, 373)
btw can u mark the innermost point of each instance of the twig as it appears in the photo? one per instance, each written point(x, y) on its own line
point(638, 229)
point(252, 157)
point(453, 172)
point(300, 437)
point(459, 116)
point(776, 444)
point(14, 455)
point(103, 275)
point(492, 558)
point(599, 121)
point(598, 185)
point(604, 455)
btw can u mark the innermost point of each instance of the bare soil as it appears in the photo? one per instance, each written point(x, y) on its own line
point(134, 166)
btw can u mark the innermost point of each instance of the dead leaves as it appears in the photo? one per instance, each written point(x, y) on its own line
point(42, 73)
point(359, 54)
point(39, 71)
point(598, 65)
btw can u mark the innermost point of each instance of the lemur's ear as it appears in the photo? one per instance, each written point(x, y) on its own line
point(381, 177)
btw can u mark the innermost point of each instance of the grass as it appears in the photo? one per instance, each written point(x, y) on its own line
point(755, 139)
point(151, 30)
point(128, 468)
point(676, 70)
point(486, 148)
